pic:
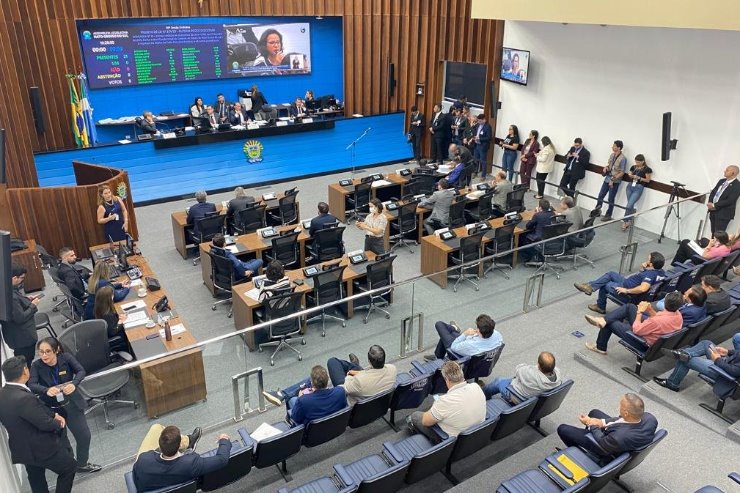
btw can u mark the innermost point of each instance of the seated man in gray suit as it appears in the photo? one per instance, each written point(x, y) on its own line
point(361, 382)
point(501, 188)
point(440, 203)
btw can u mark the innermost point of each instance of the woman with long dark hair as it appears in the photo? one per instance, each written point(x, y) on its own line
point(529, 157)
point(55, 377)
point(640, 174)
point(510, 145)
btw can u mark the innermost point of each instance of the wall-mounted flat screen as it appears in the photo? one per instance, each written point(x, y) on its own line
point(128, 55)
point(515, 66)
point(465, 79)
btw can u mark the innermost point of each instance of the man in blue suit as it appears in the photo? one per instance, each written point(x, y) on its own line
point(322, 220)
point(242, 270)
point(482, 138)
point(631, 430)
point(693, 309)
point(169, 466)
point(535, 228)
point(198, 211)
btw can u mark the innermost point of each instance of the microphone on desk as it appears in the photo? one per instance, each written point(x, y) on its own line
point(167, 127)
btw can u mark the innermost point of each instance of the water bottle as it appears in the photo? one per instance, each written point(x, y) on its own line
point(167, 331)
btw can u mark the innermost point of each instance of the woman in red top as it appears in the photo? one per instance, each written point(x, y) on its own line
point(529, 157)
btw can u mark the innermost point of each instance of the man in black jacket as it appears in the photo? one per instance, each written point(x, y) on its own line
point(70, 275)
point(322, 220)
point(416, 131)
point(717, 298)
point(722, 199)
point(20, 331)
point(701, 357)
point(239, 203)
point(198, 211)
point(169, 466)
point(439, 128)
point(575, 167)
point(35, 433)
point(631, 430)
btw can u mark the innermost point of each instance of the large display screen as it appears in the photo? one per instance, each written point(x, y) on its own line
point(515, 65)
point(122, 55)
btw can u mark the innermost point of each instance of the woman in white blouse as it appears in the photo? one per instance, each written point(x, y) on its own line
point(198, 111)
point(545, 160)
point(374, 226)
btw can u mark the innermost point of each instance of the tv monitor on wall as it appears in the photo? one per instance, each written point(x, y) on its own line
point(127, 55)
point(515, 66)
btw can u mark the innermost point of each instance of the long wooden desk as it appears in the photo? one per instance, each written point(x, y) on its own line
point(435, 251)
point(180, 221)
point(170, 382)
point(248, 245)
point(244, 306)
point(338, 194)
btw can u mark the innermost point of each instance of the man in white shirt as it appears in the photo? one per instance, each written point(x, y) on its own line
point(463, 406)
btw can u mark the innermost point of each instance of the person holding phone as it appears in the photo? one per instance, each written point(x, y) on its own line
point(374, 226)
point(55, 377)
point(700, 358)
point(20, 331)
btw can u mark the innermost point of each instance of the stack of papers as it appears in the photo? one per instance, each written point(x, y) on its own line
point(135, 319)
point(381, 183)
point(134, 305)
point(263, 432)
point(253, 293)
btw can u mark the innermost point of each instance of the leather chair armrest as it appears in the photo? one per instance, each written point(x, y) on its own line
point(393, 452)
point(634, 339)
point(440, 433)
point(343, 475)
point(559, 467)
point(124, 356)
point(723, 374)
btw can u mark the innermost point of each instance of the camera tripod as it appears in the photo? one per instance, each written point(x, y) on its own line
point(674, 208)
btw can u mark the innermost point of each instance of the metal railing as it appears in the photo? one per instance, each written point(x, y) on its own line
point(242, 407)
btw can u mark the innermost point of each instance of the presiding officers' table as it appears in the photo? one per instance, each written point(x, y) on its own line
point(435, 251)
point(170, 382)
point(244, 306)
point(180, 220)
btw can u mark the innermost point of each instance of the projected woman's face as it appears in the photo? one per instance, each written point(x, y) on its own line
point(515, 64)
point(274, 45)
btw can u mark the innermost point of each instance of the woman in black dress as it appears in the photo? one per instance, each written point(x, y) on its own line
point(112, 214)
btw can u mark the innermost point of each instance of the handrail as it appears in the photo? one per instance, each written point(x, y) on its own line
point(364, 294)
point(240, 406)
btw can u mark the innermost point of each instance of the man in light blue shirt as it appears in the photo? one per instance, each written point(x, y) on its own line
point(470, 342)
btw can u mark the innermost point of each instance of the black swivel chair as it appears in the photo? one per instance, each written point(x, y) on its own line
point(287, 210)
point(553, 247)
point(250, 219)
point(503, 241)
point(208, 227)
point(405, 224)
point(515, 200)
point(359, 202)
point(285, 249)
point(328, 244)
point(457, 213)
point(280, 306)
point(88, 342)
point(379, 276)
point(328, 286)
point(469, 251)
point(222, 275)
point(484, 211)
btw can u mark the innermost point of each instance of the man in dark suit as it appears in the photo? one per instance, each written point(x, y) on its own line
point(221, 108)
point(70, 275)
point(416, 131)
point(298, 108)
point(147, 124)
point(575, 167)
point(631, 430)
point(482, 138)
point(20, 331)
point(198, 211)
point(35, 433)
point(239, 203)
point(535, 228)
point(211, 119)
point(438, 127)
point(722, 199)
point(717, 298)
point(324, 218)
point(168, 467)
point(238, 116)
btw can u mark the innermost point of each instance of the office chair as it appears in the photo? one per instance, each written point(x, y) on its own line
point(515, 200)
point(285, 249)
point(328, 244)
point(88, 342)
point(582, 239)
point(485, 208)
point(553, 249)
point(470, 250)
point(208, 227)
point(359, 202)
point(250, 219)
point(222, 275)
point(503, 241)
point(42, 322)
point(405, 224)
point(287, 210)
point(457, 213)
point(426, 183)
point(75, 307)
point(379, 275)
point(54, 273)
point(328, 286)
point(279, 306)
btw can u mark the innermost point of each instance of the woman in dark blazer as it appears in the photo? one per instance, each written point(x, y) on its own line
point(529, 157)
point(55, 377)
point(99, 278)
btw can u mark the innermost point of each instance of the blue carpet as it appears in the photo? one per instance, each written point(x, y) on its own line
point(156, 174)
